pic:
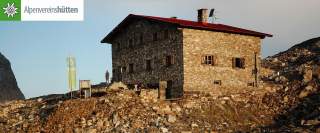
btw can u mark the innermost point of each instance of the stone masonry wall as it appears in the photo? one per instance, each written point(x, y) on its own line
point(156, 51)
point(223, 46)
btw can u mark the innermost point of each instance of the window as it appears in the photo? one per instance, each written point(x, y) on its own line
point(141, 38)
point(217, 82)
point(119, 69)
point(251, 84)
point(169, 60)
point(148, 65)
point(208, 60)
point(114, 71)
point(130, 43)
point(238, 63)
point(117, 47)
point(123, 69)
point(166, 34)
point(155, 36)
point(130, 68)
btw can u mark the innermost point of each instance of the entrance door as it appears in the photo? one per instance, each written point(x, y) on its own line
point(169, 89)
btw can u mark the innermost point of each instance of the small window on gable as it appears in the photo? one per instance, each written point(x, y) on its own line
point(169, 60)
point(208, 60)
point(155, 36)
point(130, 43)
point(238, 63)
point(131, 68)
point(141, 38)
point(166, 34)
point(117, 47)
point(148, 65)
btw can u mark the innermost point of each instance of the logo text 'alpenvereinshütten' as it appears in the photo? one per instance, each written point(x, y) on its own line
point(41, 10)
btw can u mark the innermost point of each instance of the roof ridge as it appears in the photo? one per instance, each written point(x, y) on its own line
point(189, 24)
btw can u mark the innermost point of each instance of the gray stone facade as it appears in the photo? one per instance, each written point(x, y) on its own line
point(137, 53)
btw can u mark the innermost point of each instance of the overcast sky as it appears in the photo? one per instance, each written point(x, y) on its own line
point(38, 50)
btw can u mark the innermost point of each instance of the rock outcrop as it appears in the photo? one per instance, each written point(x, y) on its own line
point(295, 91)
point(9, 89)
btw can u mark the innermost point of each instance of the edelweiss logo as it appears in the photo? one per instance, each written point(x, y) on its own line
point(10, 10)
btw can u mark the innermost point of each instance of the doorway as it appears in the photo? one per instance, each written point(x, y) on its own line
point(169, 89)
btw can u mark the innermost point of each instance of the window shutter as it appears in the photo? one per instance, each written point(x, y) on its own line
point(213, 60)
point(203, 59)
point(242, 62)
point(172, 59)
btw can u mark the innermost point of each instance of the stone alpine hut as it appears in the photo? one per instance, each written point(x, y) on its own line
point(189, 55)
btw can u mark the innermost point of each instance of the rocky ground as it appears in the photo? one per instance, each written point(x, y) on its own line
point(287, 101)
point(294, 89)
point(125, 111)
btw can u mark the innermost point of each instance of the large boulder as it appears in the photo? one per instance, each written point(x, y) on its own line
point(9, 89)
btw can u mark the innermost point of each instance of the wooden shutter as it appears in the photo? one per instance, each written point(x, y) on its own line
point(233, 62)
point(164, 61)
point(203, 59)
point(213, 60)
point(242, 63)
point(172, 59)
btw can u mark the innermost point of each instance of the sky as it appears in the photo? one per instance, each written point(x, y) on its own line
point(38, 50)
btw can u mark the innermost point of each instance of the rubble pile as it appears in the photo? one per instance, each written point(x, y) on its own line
point(295, 87)
point(125, 111)
point(27, 115)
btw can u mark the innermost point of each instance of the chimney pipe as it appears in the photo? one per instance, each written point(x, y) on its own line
point(203, 15)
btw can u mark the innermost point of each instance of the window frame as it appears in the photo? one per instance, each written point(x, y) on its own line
point(124, 69)
point(148, 65)
point(208, 59)
point(131, 43)
point(217, 82)
point(169, 60)
point(117, 47)
point(131, 68)
point(155, 36)
point(166, 34)
point(238, 63)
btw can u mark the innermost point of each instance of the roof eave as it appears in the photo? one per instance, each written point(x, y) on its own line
point(108, 38)
point(261, 35)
